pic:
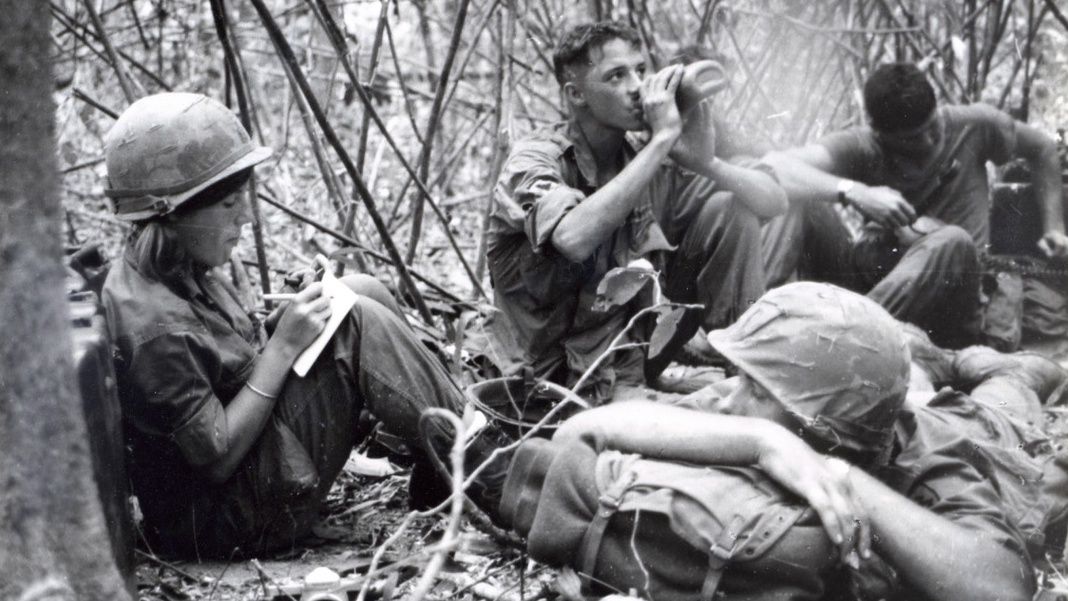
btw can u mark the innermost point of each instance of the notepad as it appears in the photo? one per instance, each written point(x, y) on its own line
point(342, 298)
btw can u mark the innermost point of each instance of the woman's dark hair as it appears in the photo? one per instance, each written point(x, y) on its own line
point(154, 246)
point(898, 97)
point(215, 192)
point(574, 48)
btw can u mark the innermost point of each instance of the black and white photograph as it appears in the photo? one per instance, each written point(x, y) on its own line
point(533, 300)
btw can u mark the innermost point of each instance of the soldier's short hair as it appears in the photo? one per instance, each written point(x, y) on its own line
point(898, 97)
point(574, 48)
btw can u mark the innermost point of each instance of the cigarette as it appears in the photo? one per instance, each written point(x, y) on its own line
point(281, 296)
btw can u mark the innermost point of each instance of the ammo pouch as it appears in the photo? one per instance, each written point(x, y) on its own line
point(670, 530)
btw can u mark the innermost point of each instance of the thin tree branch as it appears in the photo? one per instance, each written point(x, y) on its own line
point(124, 83)
point(334, 33)
point(87, 99)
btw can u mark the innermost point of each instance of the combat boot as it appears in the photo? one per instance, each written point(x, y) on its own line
point(489, 446)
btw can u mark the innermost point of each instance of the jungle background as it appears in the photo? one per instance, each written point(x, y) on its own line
point(390, 121)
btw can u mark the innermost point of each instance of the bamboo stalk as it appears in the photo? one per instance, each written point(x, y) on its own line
point(501, 126)
point(68, 22)
point(321, 161)
point(470, 51)
point(1057, 14)
point(137, 23)
point(365, 119)
point(286, 54)
point(334, 33)
point(222, 26)
point(418, 201)
point(341, 237)
point(408, 107)
point(70, 25)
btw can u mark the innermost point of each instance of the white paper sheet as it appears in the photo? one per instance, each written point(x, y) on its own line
point(341, 300)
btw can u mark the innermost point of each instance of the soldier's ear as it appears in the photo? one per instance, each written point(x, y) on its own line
point(573, 93)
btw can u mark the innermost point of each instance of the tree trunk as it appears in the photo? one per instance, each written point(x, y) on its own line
point(54, 541)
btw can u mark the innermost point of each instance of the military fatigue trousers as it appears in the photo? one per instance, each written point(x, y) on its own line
point(933, 283)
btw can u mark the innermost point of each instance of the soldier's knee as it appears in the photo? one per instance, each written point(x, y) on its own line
point(953, 240)
point(368, 287)
point(724, 211)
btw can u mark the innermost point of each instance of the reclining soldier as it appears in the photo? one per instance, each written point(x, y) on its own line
point(579, 198)
point(917, 175)
point(952, 496)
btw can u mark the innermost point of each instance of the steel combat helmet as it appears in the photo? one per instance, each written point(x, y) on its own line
point(165, 148)
point(836, 360)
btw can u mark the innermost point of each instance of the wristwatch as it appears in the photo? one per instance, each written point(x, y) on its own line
point(844, 186)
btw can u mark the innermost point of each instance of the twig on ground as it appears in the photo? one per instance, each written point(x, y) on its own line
point(266, 578)
point(450, 538)
point(170, 566)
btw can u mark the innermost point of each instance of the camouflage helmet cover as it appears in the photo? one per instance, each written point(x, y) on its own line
point(836, 360)
point(165, 148)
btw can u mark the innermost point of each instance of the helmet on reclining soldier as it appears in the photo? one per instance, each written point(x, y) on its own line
point(166, 148)
point(836, 361)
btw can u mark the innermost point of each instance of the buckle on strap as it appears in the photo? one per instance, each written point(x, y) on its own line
point(609, 501)
point(722, 549)
point(160, 205)
point(156, 204)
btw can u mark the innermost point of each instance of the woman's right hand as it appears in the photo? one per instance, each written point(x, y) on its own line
point(302, 320)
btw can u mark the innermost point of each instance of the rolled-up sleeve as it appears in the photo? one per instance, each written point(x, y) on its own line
point(171, 376)
point(531, 194)
point(998, 132)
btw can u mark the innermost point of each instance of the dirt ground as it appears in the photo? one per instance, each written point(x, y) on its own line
point(362, 512)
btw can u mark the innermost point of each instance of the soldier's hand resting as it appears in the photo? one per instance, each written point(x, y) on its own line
point(1054, 244)
point(882, 205)
point(824, 484)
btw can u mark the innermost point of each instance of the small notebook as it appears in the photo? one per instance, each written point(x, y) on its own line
point(342, 298)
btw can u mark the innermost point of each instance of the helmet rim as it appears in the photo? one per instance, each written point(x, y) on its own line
point(840, 409)
point(138, 205)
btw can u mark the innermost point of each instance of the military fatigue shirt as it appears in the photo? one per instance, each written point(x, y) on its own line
point(183, 350)
point(958, 458)
point(545, 297)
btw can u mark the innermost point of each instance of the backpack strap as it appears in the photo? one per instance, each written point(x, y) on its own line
point(719, 554)
point(607, 505)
